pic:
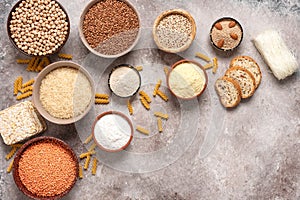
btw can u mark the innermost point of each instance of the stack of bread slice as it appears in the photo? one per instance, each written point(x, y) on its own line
point(239, 82)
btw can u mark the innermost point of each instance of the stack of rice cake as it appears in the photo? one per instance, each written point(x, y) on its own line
point(20, 122)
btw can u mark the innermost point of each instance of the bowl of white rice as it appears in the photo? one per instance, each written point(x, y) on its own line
point(63, 92)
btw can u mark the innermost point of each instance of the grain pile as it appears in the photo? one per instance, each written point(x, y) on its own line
point(110, 26)
point(47, 169)
point(65, 93)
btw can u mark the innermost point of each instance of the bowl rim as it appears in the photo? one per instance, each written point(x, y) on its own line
point(34, 141)
point(210, 34)
point(86, 44)
point(27, 54)
point(131, 67)
point(171, 12)
point(187, 61)
point(109, 113)
point(36, 92)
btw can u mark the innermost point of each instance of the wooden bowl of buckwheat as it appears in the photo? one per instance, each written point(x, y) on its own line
point(38, 28)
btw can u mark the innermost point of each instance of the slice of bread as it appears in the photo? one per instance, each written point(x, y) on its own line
point(249, 64)
point(244, 78)
point(229, 91)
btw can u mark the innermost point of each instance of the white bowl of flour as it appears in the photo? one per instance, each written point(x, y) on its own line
point(112, 131)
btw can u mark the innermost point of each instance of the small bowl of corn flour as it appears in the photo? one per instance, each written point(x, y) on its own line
point(112, 131)
point(124, 81)
point(187, 79)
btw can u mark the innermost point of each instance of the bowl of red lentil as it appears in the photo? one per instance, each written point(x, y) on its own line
point(109, 28)
point(174, 30)
point(63, 92)
point(45, 168)
point(38, 28)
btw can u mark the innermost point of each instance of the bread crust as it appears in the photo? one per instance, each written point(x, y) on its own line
point(256, 78)
point(251, 80)
point(237, 88)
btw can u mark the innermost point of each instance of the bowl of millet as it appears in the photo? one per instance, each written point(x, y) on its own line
point(174, 30)
point(45, 168)
point(109, 28)
point(38, 27)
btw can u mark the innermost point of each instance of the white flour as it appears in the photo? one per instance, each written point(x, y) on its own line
point(112, 131)
point(186, 80)
point(124, 81)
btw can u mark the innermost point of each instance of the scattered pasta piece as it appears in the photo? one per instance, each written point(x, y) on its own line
point(11, 153)
point(25, 95)
point(145, 103)
point(16, 85)
point(101, 96)
point(35, 64)
point(28, 83)
point(65, 56)
point(80, 173)
point(130, 108)
point(94, 168)
point(139, 68)
point(20, 83)
point(142, 130)
point(16, 145)
point(92, 147)
point(215, 68)
point(23, 61)
point(101, 101)
point(10, 166)
point(202, 56)
point(83, 155)
point(30, 64)
point(159, 124)
point(161, 115)
point(88, 139)
point(162, 95)
point(157, 86)
point(166, 70)
point(87, 162)
point(208, 65)
point(26, 89)
point(46, 61)
point(145, 96)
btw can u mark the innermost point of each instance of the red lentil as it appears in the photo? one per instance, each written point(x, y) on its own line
point(46, 169)
point(110, 26)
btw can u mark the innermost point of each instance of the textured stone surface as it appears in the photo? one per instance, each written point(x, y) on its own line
point(251, 152)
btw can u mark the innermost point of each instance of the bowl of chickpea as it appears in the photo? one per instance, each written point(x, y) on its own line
point(38, 27)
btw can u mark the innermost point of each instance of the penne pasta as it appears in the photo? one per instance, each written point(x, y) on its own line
point(101, 96)
point(162, 95)
point(142, 130)
point(157, 86)
point(87, 162)
point(65, 56)
point(208, 65)
point(94, 167)
point(25, 95)
point(159, 124)
point(130, 108)
point(10, 166)
point(101, 101)
point(11, 153)
point(88, 139)
point(202, 56)
point(145, 103)
point(215, 68)
point(161, 115)
point(83, 155)
point(80, 173)
point(145, 96)
point(28, 83)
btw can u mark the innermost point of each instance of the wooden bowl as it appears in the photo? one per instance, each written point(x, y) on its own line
point(36, 91)
point(200, 67)
point(30, 143)
point(114, 113)
point(15, 45)
point(174, 12)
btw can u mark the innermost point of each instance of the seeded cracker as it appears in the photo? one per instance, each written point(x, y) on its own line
point(20, 122)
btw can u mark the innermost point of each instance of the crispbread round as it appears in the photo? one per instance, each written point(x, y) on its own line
point(250, 64)
point(244, 78)
point(230, 95)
